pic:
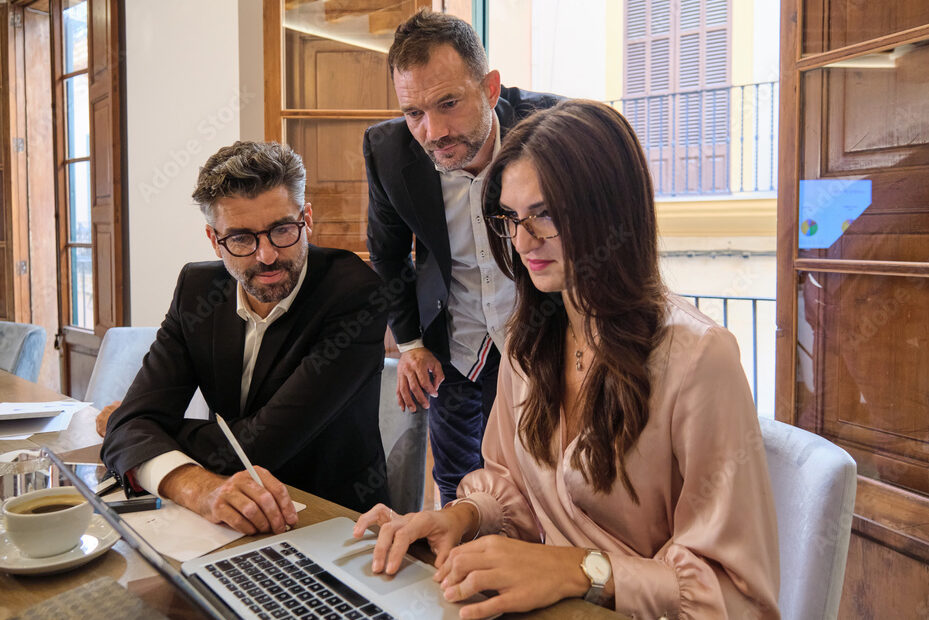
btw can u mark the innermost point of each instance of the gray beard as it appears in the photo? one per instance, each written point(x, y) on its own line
point(273, 293)
point(474, 141)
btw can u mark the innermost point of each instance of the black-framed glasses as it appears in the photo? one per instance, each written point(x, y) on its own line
point(246, 243)
point(538, 226)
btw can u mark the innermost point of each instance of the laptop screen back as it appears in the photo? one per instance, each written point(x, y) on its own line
point(135, 541)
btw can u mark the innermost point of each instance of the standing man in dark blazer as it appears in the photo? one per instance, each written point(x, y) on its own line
point(281, 339)
point(425, 177)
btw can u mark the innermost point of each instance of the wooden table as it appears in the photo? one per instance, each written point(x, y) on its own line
point(80, 443)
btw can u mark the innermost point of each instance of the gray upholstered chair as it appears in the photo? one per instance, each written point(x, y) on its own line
point(814, 485)
point(22, 346)
point(118, 362)
point(404, 437)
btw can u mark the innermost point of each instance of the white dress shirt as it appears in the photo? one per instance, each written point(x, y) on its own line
point(480, 297)
point(150, 473)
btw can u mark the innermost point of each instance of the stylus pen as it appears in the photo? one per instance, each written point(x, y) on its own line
point(238, 449)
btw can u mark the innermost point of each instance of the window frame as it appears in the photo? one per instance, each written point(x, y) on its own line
point(63, 163)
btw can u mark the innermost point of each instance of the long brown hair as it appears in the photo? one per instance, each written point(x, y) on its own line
point(596, 187)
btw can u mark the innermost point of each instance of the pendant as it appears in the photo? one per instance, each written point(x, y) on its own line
point(577, 360)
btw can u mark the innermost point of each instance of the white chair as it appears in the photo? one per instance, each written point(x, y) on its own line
point(118, 362)
point(403, 434)
point(22, 346)
point(814, 483)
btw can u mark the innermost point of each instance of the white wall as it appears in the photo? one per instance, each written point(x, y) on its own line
point(185, 98)
point(510, 39)
point(766, 41)
point(569, 47)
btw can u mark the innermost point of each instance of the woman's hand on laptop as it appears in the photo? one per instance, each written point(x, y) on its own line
point(443, 529)
point(525, 575)
point(237, 500)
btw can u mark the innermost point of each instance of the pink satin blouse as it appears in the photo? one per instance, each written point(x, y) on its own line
point(702, 541)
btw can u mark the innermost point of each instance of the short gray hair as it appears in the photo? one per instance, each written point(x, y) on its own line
point(247, 169)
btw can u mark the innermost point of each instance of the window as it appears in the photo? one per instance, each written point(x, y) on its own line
point(676, 93)
point(77, 250)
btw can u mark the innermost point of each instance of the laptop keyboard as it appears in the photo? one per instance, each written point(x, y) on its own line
point(278, 581)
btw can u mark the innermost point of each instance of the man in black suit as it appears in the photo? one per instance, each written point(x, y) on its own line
point(282, 340)
point(425, 177)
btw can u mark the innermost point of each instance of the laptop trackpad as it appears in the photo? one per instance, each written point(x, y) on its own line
point(357, 563)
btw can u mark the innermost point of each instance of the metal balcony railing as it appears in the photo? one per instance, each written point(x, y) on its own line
point(711, 141)
point(752, 321)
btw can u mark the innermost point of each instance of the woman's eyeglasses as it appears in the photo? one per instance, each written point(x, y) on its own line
point(538, 226)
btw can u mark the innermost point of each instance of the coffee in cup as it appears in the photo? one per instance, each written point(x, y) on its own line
point(51, 503)
point(46, 522)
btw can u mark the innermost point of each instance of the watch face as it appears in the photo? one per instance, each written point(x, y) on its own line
point(598, 567)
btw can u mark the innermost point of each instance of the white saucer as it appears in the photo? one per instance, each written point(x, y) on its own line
point(95, 542)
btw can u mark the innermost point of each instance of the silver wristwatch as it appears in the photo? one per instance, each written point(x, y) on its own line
point(598, 569)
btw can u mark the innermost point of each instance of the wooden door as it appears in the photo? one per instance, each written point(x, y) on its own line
point(853, 274)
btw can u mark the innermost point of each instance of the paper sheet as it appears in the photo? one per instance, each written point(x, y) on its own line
point(24, 428)
point(178, 532)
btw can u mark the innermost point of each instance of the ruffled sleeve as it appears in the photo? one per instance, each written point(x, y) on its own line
point(722, 559)
point(497, 490)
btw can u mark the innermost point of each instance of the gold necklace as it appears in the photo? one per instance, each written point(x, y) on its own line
point(578, 352)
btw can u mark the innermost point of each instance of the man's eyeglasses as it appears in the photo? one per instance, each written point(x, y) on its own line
point(246, 243)
point(538, 226)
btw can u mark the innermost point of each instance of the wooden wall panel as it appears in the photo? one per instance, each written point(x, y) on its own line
point(871, 343)
point(339, 147)
point(351, 72)
point(101, 14)
point(101, 134)
point(881, 583)
point(6, 288)
point(330, 75)
point(104, 287)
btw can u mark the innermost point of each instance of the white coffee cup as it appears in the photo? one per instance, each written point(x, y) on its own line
point(46, 522)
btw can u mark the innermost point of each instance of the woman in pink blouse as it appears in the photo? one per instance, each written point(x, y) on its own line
point(623, 460)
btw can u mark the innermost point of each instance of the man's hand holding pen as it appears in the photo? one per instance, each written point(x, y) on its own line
point(238, 501)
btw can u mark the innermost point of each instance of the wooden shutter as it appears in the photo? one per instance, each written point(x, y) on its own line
point(106, 163)
point(636, 34)
point(14, 225)
point(702, 110)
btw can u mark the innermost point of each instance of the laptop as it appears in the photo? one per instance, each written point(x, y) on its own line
point(313, 572)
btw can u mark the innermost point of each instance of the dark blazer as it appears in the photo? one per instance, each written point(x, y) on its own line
point(405, 200)
point(311, 417)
